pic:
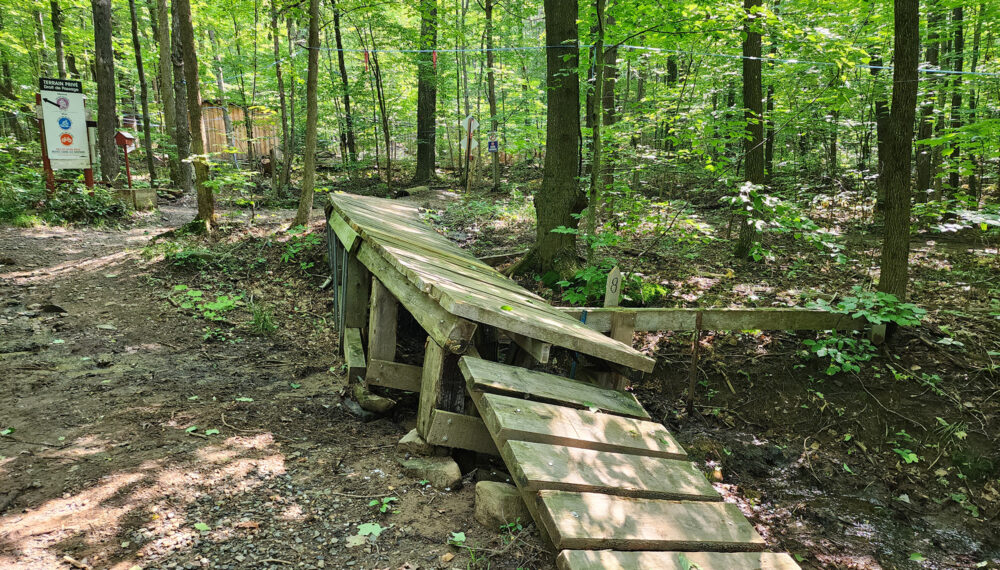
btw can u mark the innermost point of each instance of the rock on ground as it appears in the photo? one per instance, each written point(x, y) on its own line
point(498, 504)
point(441, 472)
point(413, 444)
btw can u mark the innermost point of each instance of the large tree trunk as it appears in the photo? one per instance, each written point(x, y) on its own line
point(286, 141)
point(57, 37)
point(352, 148)
point(147, 137)
point(881, 137)
point(926, 129)
point(427, 91)
point(312, 78)
point(492, 94)
point(107, 113)
point(206, 201)
point(182, 128)
point(896, 247)
point(560, 196)
point(753, 142)
point(958, 53)
point(227, 121)
point(166, 84)
point(595, 120)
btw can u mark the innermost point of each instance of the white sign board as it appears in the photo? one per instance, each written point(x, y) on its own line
point(464, 143)
point(469, 123)
point(613, 291)
point(65, 121)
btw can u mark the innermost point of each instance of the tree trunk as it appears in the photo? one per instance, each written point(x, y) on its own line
point(958, 53)
point(312, 79)
point(895, 249)
point(107, 113)
point(166, 85)
point(427, 91)
point(753, 143)
point(926, 129)
point(57, 37)
point(881, 134)
point(289, 26)
point(352, 148)
point(286, 141)
point(382, 108)
point(147, 137)
point(227, 121)
point(975, 184)
point(492, 94)
point(560, 195)
point(182, 128)
point(206, 201)
point(595, 120)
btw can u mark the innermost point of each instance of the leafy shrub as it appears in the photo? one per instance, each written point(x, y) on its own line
point(875, 306)
point(844, 352)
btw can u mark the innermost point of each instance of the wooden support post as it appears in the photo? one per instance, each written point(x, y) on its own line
point(384, 311)
point(441, 386)
point(623, 326)
point(355, 291)
point(537, 349)
point(393, 375)
point(693, 372)
point(460, 431)
point(354, 354)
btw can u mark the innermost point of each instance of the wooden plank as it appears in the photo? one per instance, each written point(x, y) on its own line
point(382, 323)
point(537, 349)
point(539, 466)
point(623, 327)
point(393, 375)
point(484, 375)
point(441, 386)
point(354, 354)
point(524, 420)
point(356, 293)
point(344, 232)
point(619, 560)
point(769, 318)
point(591, 521)
point(460, 431)
point(452, 332)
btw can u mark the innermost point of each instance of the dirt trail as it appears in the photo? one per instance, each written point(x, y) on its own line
point(101, 380)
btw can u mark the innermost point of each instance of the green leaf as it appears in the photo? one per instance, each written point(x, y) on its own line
point(192, 397)
point(244, 399)
point(191, 429)
point(370, 529)
point(294, 385)
point(7, 431)
point(202, 527)
point(457, 539)
point(917, 557)
point(507, 307)
point(211, 432)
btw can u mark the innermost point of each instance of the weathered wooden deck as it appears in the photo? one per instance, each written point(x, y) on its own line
point(609, 487)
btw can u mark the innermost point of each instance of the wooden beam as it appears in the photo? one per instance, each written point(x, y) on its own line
point(393, 375)
point(777, 318)
point(650, 560)
point(442, 386)
point(623, 326)
point(345, 233)
point(356, 293)
point(384, 310)
point(460, 431)
point(354, 354)
point(447, 330)
point(537, 349)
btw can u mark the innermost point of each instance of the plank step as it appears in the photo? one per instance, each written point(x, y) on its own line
point(487, 376)
point(523, 420)
point(618, 560)
point(588, 521)
point(538, 466)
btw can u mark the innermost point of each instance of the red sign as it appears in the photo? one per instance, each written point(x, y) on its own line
point(66, 139)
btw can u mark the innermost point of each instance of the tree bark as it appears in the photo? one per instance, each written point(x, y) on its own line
point(896, 246)
point(107, 113)
point(286, 141)
point(427, 91)
point(147, 137)
point(206, 201)
point(227, 121)
point(57, 37)
point(926, 128)
point(352, 148)
point(753, 142)
point(958, 53)
point(595, 120)
point(166, 84)
point(182, 128)
point(881, 137)
point(312, 79)
point(560, 196)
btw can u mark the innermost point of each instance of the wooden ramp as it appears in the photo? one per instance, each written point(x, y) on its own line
point(609, 487)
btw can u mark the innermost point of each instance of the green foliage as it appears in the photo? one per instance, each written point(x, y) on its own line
point(262, 321)
point(874, 306)
point(24, 203)
point(299, 242)
point(590, 283)
point(844, 352)
point(457, 539)
point(383, 505)
point(194, 299)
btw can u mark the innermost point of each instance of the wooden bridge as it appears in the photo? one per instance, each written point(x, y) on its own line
point(606, 485)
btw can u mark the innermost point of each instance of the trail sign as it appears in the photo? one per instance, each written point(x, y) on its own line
point(492, 136)
point(469, 123)
point(493, 146)
point(613, 291)
point(465, 143)
point(65, 123)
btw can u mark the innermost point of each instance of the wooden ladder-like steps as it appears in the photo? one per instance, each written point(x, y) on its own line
point(606, 485)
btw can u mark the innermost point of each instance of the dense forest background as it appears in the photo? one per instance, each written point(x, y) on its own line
point(841, 155)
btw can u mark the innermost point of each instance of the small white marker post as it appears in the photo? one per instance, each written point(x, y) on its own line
point(614, 289)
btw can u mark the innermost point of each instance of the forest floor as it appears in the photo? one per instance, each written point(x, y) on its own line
point(154, 429)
